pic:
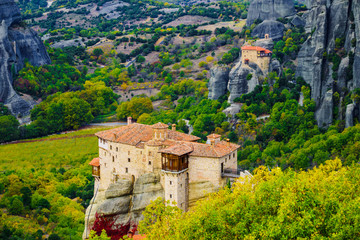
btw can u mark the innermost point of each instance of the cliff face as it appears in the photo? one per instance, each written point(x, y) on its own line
point(125, 200)
point(269, 10)
point(16, 44)
point(327, 21)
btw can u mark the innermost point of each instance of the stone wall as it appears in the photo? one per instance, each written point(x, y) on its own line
point(262, 62)
point(175, 188)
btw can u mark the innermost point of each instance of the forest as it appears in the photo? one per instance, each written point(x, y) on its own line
point(147, 62)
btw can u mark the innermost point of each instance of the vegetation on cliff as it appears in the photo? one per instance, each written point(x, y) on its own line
point(322, 203)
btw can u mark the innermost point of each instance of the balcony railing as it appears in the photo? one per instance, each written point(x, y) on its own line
point(96, 173)
point(235, 173)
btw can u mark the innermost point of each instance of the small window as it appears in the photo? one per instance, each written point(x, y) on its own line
point(170, 182)
point(128, 152)
point(149, 162)
point(233, 154)
point(180, 185)
point(126, 170)
point(149, 153)
point(129, 160)
point(140, 152)
point(113, 159)
point(170, 195)
point(110, 147)
point(117, 149)
point(105, 164)
point(105, 153)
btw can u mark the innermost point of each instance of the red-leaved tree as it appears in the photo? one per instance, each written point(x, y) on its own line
point(113, 230)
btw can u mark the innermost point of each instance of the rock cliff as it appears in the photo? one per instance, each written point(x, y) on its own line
point(124, 199)
point(269, 10)
point(327, 21)
point(219, 78)
point(17, 43)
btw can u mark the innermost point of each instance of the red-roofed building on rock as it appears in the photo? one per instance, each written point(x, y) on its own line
point(130, 151)
point(258, 55)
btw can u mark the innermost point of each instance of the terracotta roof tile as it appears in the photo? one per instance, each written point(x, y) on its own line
point(135, 134)
point(213, 136)
point(95, 162)
point(159, 125)
point(179, 149)
point(220, 149)
point(255, 48)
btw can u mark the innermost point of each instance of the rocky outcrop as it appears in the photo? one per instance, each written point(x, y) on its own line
point(239, 83)
point(349, 115)
point(269, 10)
point(17, 43)
point(326, 21)
point(124, 199)
point(219, 78)
point(325, 110)
point(275, 30)
point(298, 21)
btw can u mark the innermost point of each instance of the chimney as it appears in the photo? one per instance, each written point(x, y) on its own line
point(228, 142)
point(129, 120)
point(114, 136)
point(212, 142)
point(213, 139)
point(173, 127)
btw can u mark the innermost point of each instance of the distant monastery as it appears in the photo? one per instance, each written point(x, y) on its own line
point(135, 149)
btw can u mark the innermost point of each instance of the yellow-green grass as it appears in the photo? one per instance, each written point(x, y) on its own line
point(48, 153)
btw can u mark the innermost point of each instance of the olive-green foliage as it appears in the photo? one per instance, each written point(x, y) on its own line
point(41, 176)
point(8, 128)
point(322, 203)
point(134, 108)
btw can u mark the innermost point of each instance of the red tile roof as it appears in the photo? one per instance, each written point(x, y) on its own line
point(217, 150)
point(95, 162)
point(213, 136)
point(136, 134)
point(159, 125)
point(255, 48)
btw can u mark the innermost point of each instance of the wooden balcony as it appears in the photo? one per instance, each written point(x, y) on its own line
point(96, 171)
point(173, 163)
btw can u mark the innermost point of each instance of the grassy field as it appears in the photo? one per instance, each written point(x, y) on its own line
point(54, 168)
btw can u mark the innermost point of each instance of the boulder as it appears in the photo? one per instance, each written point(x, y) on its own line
point(141, 200)
point(265, 43)
point(120, 188)
point(349, 115)
point(115, 206)
point(269, 10)
point(233, 109)
point(219, 78)
point(298, 22)
point(275, 29)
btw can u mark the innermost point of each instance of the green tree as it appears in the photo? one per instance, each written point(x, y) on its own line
point(8, 128)
point(16, 207)
point(134, 108)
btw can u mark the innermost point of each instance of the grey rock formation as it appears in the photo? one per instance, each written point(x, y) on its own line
point(275, 66)
point(274, 28)
point(119, 189)
point(17, 43)
point(219, 78)
point(349, 115)
point(233, 109)
point(298, 21)
point(238, 83)
point(269, 10)
point(68, 43)
point(124, 200)
point(265, 43)
point(9, 12)
point(324, 113)
point(113, 206)
point(327, 21)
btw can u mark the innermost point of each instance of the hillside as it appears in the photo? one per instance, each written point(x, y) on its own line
point(279, 78)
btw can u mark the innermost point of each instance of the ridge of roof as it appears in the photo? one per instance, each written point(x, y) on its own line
point(248, 47)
